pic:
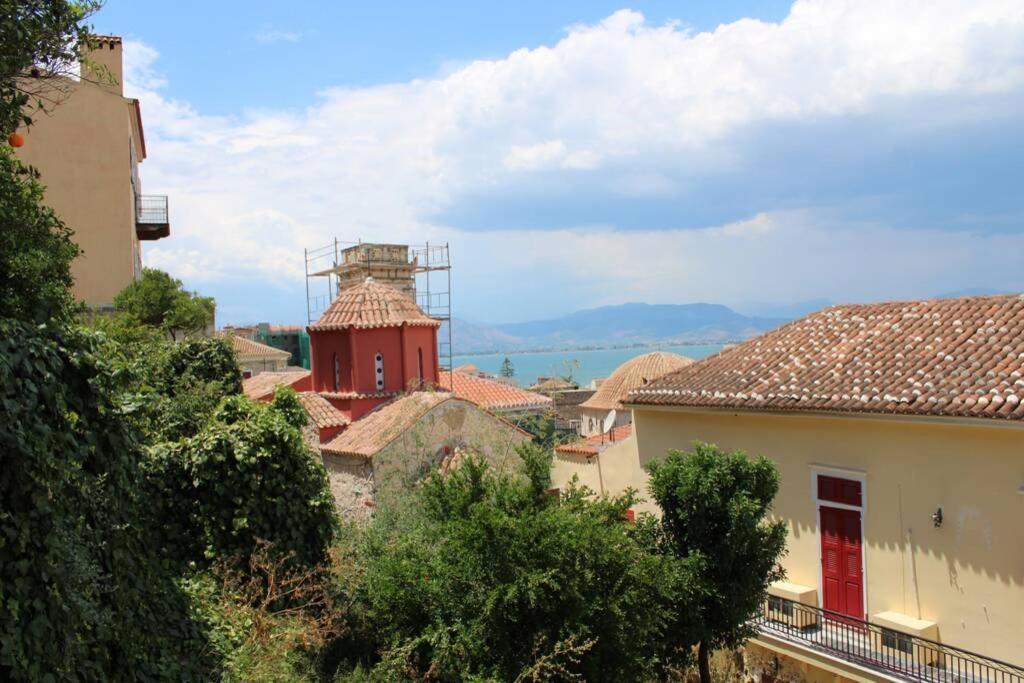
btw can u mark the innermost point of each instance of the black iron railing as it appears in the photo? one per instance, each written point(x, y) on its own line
point(893, 653)
point(151, 209)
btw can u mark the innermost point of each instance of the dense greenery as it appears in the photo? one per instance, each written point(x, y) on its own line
point(246, 477)
point(484, 577)
point(83, 593)
point(159, 300)
point(715, 508)
point(507, 369)
point(36, 248)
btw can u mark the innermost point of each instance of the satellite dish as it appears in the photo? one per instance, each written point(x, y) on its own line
point(609, 422)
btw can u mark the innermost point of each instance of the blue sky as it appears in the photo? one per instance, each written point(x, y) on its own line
point(577, 154)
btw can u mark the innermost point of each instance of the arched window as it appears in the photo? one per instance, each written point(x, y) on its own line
point(419, 353)
point(337, 372)
point(379, 363)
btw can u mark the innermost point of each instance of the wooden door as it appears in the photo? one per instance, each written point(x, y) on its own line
point(841, 576)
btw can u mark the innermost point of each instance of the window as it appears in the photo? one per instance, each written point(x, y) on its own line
point(419, 352)
point(337, 372)
point(895, 640)
point(379, 367)
point(780, 606)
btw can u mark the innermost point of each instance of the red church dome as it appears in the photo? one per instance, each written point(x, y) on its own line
point(371, 344)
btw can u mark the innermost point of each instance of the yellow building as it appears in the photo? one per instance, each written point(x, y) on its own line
point(87, 150)
point(898, 432)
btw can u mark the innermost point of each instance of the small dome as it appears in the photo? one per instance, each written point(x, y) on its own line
point(372, 304)
point(634, 373)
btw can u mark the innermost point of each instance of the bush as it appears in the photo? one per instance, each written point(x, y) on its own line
point(83, 594)
point(484, 578)
point(246, 476)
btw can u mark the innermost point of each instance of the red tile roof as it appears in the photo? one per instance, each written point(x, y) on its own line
point(372, 304)
point(492, 394)
point(375, 430)
point(634, 373)
point(592, 445)
point(321, 413)
point(266, 383)
point(247, 349)
point(943, 357)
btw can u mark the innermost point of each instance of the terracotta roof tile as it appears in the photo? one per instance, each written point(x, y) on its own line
point(321, 412)
point(248, 349)
point(593, 445)
point(372, 304)
point(492, 394)
point(264, 384)
point(632, 374)
point(944, 357)
point(375, 430)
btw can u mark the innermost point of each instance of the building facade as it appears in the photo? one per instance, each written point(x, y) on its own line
point(87, 151)
point(898, 433)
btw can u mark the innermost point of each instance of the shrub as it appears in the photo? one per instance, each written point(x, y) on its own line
point(83, 594)
point(484, 579)
point(246, 476)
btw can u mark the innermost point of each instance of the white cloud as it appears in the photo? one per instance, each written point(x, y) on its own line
point(278, 36)
point(638, 109)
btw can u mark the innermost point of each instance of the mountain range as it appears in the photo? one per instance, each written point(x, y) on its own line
point(622, 325)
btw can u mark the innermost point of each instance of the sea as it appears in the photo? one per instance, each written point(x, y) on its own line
point(593, 364)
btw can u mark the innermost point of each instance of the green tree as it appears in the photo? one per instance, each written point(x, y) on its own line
point(42, 40)
point(507, 369)
point(570, 366)
point(159, 300)
point(485, 577)
point(715, 508)
point(84, 592)
point(246, 477)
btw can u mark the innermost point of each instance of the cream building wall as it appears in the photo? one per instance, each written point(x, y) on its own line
point(967, 575)
point(592, 420)
point(610, 472)
point(87, 150)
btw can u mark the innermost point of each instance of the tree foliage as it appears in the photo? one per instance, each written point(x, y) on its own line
point(491, 579)
point(36, 248)
point(247, 476)
point(507, 369)
point(715, 508)
point(41, 39)
point(83, 594)
point(159, 300)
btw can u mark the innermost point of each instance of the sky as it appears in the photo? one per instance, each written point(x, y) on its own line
point(580, 154)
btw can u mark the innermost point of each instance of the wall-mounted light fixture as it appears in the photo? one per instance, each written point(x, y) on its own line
point(1020, 491)
point(937, 518)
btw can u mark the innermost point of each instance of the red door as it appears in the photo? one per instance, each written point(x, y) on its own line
point(841, 576)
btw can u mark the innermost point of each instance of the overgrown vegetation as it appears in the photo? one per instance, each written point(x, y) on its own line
point(158, 300)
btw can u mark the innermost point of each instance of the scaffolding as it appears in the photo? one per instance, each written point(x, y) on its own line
point(422, 271)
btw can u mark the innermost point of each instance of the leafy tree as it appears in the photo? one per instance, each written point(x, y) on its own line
point(715, 508)
point(484, 577)
point(36, 248)
point(84, 593)
point(570, 366)
point(246, 477)
point(42, 40)
point(159, 300)
point(507, 369)
point(545, 431)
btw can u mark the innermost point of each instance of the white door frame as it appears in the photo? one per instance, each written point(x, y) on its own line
point(853, 475)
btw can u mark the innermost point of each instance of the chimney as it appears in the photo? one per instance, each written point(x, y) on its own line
point(103, 63)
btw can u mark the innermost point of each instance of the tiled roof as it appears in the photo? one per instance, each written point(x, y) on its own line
point(593, 445)
point(375, 430)
point(944, 357)
point(492, 394)
point(553, 384)
point(265, 383)
point(349, 395)
point(247, 349)
point(634, 373)
point(321, 412)
point(372, 304)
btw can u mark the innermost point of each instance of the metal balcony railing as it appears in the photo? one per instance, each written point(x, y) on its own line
point(892, 653)
point(152, 219)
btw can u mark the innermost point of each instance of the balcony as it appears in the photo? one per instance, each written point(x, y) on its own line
point(152, 220)
point(893, 654)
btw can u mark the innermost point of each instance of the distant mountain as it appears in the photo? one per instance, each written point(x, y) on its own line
point(622, 325)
